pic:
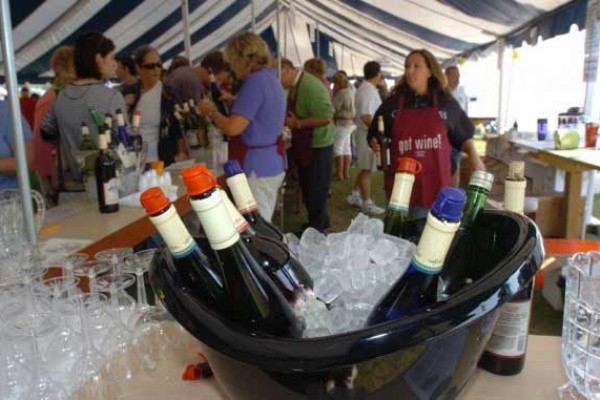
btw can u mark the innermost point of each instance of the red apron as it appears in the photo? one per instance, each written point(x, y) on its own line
point(421, 133)
point(301, 138)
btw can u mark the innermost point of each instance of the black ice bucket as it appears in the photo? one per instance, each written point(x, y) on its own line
point(428, 356)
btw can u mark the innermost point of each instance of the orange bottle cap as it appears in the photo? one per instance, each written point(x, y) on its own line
point(154, 200)
point(158, 166)
point(408, 164)
point(198, 179)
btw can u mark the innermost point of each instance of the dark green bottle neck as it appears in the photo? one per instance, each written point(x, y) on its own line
point(476, 199)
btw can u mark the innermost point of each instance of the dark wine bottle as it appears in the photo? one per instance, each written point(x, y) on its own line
point(245, 202)
point(383, 155)
point(86, 143)
point(507, 347)
point(274, 257)
point(197, 274)
point(216, 94)
point(122, 133)
point(397, 210)
point(456, 273)
point(252, 299)
point(416, 290)
point(106, 178)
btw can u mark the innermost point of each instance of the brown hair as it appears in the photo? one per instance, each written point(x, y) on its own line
point(63, 66)
point(285, 62)
point(437, 83)
point(248, 51)
point(339, 78)
point(315, 66)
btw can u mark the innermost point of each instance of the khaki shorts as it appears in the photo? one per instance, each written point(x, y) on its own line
point(365, 156)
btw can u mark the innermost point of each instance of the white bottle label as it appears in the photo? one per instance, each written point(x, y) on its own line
point(216, 221)
point(244, 199)
point(239, 222)
point(514, 196)
point(434, 245)
point(111, 192)
point(135, 121)
point(174, 233)
point(509, 338)
point(403, 185)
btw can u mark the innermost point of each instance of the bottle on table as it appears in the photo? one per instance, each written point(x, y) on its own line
point(383, 155)
point(198, 274)
point(456, 272)
point(245, 202)
point(86, 142)
point(507, 347)
point(97, 118)
point(122, 133)
point(252, 299)
point(135, 133)
point(183, 117)
point(106, 178)
point(200, 124)
point(396, 213)
point(416, 290)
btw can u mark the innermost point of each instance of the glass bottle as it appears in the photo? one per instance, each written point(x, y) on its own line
point(252, 299)
point(415, 291)
point(106, 178)
point(397, 210)
point(507, 347)
point(245, 202)
point(198, 274)
point(122, 133)
point(86, 143)
point(383, 155)
point(456, 273)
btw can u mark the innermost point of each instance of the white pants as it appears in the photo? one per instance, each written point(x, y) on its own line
point(265, 191)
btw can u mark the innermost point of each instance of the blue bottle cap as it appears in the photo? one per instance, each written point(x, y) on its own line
point(231, 168)
point(449, 204)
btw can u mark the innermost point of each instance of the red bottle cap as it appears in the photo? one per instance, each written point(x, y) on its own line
point(154, 200)
point(410, 165)
point(198, 179)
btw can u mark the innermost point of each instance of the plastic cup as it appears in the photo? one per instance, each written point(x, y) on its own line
point(591, 134)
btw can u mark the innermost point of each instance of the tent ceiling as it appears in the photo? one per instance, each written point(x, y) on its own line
point(350, 31)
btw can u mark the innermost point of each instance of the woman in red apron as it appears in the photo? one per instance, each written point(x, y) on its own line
point(424, 122)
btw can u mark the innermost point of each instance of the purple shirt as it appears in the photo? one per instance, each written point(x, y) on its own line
point(262, 101)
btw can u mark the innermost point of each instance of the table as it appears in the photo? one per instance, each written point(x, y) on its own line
point(542, 375)
point(574, 163)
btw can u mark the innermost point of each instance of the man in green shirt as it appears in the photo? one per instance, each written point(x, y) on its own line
point(310, 117)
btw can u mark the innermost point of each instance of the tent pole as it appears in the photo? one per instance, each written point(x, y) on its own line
point(253, 11)
point(8, 53)
point(317, 37)
point(277, 2)
point(187, 43)
point(500, 122)
point(285, 35)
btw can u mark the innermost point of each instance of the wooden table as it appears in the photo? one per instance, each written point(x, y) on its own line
point(574, 163)
point(542, 375)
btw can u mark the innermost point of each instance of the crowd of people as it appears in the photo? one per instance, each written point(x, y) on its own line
point(332, 121)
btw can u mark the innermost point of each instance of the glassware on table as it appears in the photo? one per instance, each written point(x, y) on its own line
point(139, 263)
point(581, 327)
point(114, 256)
point(91, 270)
point(12, 227)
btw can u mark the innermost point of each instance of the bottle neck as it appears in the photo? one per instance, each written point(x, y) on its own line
point(476, 199)
point(514, 195)
point(240, 223)
point(401, 192)
point(434, 245)
point(176, 236)
point(213, 215)
point(244, 199)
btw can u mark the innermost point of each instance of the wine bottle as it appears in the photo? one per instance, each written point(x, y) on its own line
point(122, 133)
point(198, 274)
point(245, 202)
point(216, 94)
point(274, 257)
point(97, 119)
point(507, 347)
point(86, 143)
point(136, 134)
point(456, 273)
point(383, 155)
point(397, 210)
point(201, 124)
point(106, 178)
point(190, 136)
point(415, 291)
point(252, 299)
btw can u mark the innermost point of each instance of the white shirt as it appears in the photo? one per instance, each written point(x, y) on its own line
point(461, 96)
point(367, 101)
point(149, 105)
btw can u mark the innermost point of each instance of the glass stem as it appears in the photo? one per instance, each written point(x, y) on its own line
point(141, 289)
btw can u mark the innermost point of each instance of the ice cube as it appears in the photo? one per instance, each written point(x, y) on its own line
point(312, 239)
point(358, 223)
point(327, 287)
point(383, 251)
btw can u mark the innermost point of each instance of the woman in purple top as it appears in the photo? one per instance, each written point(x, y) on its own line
point(258, 115)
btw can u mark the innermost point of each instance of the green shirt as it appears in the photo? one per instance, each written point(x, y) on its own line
point(313, 101)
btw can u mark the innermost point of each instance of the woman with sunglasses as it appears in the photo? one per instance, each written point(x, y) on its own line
point(158, 125)
point(94, 60)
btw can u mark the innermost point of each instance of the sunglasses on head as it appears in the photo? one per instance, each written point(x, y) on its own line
point(152, 65)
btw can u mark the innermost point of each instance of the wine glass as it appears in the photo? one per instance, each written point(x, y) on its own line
point(139, 263)
point(90, 270)
point(115, 256)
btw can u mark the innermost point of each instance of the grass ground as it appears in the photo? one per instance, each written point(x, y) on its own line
point(545, 320)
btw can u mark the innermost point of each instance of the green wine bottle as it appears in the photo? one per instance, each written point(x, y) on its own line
point(252, 299)
point(397, 210)
point(86, 143)
point(456, 273)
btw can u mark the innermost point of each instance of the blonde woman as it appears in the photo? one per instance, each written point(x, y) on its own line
point(344, 125)
point(257, 115)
